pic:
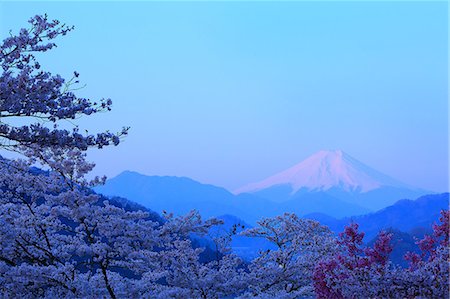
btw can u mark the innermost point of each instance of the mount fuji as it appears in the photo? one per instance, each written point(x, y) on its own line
point(335, 174)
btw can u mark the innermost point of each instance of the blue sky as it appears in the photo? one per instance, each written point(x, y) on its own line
point(230, 93)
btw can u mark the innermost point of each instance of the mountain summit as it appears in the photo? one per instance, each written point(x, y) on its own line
point(325, 170)
point(336, 174)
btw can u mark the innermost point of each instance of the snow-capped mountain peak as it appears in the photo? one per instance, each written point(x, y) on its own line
point(325, 170)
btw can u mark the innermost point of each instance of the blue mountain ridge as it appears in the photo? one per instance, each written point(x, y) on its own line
point(405, 215)
point(180, 195)
point(408, 220)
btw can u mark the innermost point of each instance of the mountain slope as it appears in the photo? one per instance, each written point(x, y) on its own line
point(173, 194)
point(406, 219)
point(325, 170)
point(302, 204)
point(405, 215)
point(180, 195)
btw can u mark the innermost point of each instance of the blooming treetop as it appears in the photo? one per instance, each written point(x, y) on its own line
point(40, 98)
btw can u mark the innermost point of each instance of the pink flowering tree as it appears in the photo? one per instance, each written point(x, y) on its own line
point(428, 272)
point(355, 270)
point(430, 244)
point(358, 271)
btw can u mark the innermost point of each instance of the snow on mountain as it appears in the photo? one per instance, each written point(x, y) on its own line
point(326, 170)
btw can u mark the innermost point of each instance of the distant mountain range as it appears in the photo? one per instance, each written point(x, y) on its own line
point(329, 182)
point(406, 219)
point(411, 216)
point(180, 195)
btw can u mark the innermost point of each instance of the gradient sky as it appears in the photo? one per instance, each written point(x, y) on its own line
point(230, 93)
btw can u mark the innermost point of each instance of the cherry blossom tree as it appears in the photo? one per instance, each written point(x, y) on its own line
point(185, 275)
point(40, 99)
point(47, 217)
point(285, 272)
point(428, 273)
point(59, 238)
